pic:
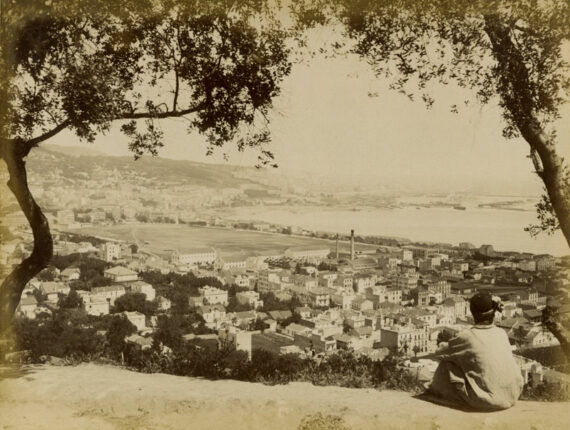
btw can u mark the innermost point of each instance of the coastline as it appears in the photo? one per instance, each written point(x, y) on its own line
point(503, 228)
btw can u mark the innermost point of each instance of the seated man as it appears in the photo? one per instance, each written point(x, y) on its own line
point(477, 369)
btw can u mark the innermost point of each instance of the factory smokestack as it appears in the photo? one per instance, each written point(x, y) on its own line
point(352, 244)
point(337, 253)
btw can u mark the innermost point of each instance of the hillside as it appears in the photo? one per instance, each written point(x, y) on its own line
point(104, 397)
point(83, 162)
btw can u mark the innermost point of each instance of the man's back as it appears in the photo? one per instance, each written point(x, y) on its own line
point(478, 369)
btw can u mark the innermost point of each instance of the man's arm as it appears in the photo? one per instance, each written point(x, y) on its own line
point(455, 347)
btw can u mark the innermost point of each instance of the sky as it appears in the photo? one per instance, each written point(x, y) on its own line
point(326, 122)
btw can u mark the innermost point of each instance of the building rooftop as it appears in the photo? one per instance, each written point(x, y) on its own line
point(120, 271)
point(193, 251)
point(135, 314)
point(107, 289)
point(204, 309)
point(52, 287)
point(70, 271)
point(28, 301)
point(280, 315)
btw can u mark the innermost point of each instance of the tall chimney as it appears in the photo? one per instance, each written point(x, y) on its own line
point(352, 244)
point(337, 253)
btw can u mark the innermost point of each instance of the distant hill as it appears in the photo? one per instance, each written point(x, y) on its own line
point(76, 151)
point(85, 163)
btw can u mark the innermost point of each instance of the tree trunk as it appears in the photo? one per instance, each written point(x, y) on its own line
point(13, 153)
point(515, 93)
point(550, 320)
point(552, 174)
point(518, 100)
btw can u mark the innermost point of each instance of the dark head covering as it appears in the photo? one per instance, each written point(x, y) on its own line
point(482, 304)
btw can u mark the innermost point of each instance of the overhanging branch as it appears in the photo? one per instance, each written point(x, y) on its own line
point(47, 135)
point(162, 115)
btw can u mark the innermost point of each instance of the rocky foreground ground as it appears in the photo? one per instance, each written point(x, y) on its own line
point(103, 397)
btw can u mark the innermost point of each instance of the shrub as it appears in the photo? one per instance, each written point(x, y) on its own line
point(65, 335)
point(319, 421)
point(546, 392)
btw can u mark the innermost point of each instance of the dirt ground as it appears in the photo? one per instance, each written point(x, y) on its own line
point(101, 397)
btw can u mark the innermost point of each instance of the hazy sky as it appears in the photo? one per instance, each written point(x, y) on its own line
point(325, 122)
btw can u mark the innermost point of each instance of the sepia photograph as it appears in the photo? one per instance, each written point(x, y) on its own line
point(284, 214)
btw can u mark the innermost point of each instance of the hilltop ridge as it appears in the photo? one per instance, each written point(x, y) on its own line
point(91, 396)
point(82, 162)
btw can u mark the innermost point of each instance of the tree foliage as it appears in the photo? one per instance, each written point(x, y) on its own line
point(178, 288)
point(119, 327)
point(172, 328)
point(83, 66)
point(66, 334)
point(70, 301)
point(135, 302)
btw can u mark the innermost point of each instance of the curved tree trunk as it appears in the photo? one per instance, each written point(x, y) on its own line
point(13, 153)
point(552, 174)
point(550, 319)
point(549, 164)
point(519, 101)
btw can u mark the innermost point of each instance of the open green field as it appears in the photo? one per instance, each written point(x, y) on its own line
point(163, 238)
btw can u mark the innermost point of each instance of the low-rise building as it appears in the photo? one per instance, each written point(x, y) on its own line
point(120, 274)
point(407, 281)
point(343, 299)
point(250, 298)
point(440, 289)
point(70, 274)
point(311, 253)
point(421, 296)
point(305, 281)
point(527, 265)
point(107, 294)
point(137, 319)
point(212, 295)
point(315, 342)
point(544, 263)
point(214, 315)
point(244, 281)
point(455, 307)
point(363, 282)
point(27, 307)
point(53, 289)
point(228, 263)
point(96, 308)
point(269, 280)
point(362, 304)
point(344, 281)
point(407, 339)
point(111, 251)
point(194, 257)
point(319, 297)
point(144, 288)
point(327, 279)
point(355, 320)
point(270, 341)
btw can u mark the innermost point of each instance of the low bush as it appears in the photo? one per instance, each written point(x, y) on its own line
point(319, 421)
point(343, 368)
point(546, 392)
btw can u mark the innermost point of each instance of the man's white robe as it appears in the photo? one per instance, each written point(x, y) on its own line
point(478, 370)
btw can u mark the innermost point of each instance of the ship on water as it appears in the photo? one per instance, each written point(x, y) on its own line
point(459, 207)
